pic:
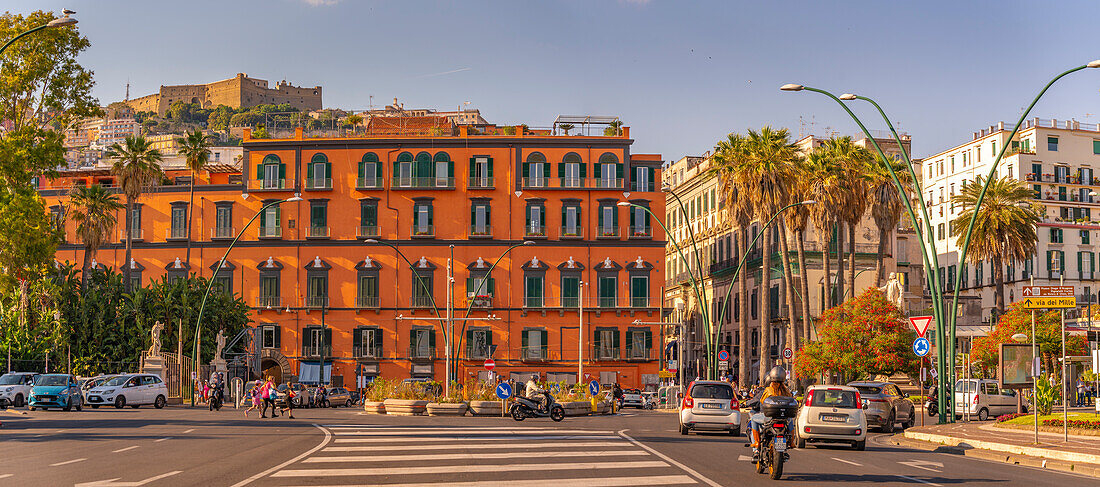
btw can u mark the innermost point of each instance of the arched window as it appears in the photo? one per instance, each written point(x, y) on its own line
point(370, 172)
point(272, 172)
point(444, 170)
point(535, 171)
point(571, 171)
point(423, 170)
point(403, 170)
point(609, 171)
point(319, 172)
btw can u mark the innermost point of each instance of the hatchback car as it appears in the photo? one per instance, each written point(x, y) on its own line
point(15, 388)
point(886, 405)
point(339, 396)
point(710, 405)
point(832, 414)
point(132, 390)
point(56, 391)
point(632, 398)
point(984, 399)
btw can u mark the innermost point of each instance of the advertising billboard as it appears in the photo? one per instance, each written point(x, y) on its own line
point(1014, 369)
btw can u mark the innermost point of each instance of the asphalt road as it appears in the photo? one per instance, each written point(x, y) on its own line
point(180, 446)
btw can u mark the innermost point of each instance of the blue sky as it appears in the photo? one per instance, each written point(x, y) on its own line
point(680, 73)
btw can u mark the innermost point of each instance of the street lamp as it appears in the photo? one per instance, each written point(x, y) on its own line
point(480, 287)
point(214, 276)
point(59, 22)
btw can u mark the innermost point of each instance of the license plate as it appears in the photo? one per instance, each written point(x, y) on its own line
point(781, 444)
point(711, 405)
point(829, 418)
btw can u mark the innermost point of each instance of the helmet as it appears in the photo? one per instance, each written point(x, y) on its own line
point(777, 374)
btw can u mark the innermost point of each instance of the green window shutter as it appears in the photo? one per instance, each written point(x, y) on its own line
point(629, 341)
point(1092, 261)
point(378, 340)
point(488, 215)
point(282, 170)
point(544, 339)
point(278, 215)
point(615, 339)
point(259, 171)
point(489, 339)
point(473, 167)
point(357, 338)
point(378, 169)
point(1079, 262)
point(431, 214)
point(542, 217)
point(652, 174)
point(1049, 253)
point(1062, 259)
point(619, 171)
point(396, 168)
point(451, 169)
point(546, 170)
point(328, 341)
point(278, 336)
point(526, 171)
point(647, 219)
point(599, 171)
point(490, 167)
point(523, 339)
point(469, 341)
point(492, 284)
point(561, 169)
point(361, 174)
point(584, 170)
point(648, 339)
point(596, 338)
point(412, 334)
point(309, 170)
point(431, 339)
point(470, 287)
point(328, 170)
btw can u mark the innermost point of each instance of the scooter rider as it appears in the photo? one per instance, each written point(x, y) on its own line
point(776, 386)
point(536, 393)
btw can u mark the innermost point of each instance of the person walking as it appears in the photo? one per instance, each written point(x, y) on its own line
point(288, 410)
point(267, 392)
point(255, 397)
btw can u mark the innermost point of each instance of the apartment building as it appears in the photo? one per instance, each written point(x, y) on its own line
point(1058, 159)
point(322, 290)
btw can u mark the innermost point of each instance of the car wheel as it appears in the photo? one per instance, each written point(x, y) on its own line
point(348, 403)
point(94, 406)
point(120, 402)
point(860, 445)
point(735, 431)
point(80, 404)
point(909, 422)
point(890, 421)
point(18, 401)
point(983, 414)
point(800, 443)
point(32, 408)
point(683, 430)
point(159, 403)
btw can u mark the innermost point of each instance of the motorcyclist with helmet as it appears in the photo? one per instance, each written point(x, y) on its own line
point(775, 385)
point(536, 393)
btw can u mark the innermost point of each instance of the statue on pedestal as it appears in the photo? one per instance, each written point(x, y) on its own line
point(220, 344)
point(893, 291)
point(154, 349)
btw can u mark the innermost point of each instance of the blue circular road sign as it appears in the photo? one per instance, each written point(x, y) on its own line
point(594, 388)
point(921, 346)
point(723, 355)
point(504, 390)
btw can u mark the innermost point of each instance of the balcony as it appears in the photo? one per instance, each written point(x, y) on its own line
point(367, 302)
point(175, 234)
point(271, 232)
point(480, 183)
point(367, 231)
point(641, 187)
point(534, 302)
point(421, 302)
point(222, 233)
point(641, 231)
point(367, 352)
point(421, 353)
point(368, 183)
point(422, 231)
point(571, 182)
point(604, 354)
point(574, 232)
point(536, 182)
point(269, 302)
point(135, 235)
point(316, 232)
point(606, 302)
point(609, 183)
point(639, 354)
point(479, 301)
point(318, 183)
point(532, 230)
point(534, 354)
point(314, 351)
point(316, 302)
point(479, 353)
point(423, 183)
point(266, 184)
point(481, 231)
point(607, 232)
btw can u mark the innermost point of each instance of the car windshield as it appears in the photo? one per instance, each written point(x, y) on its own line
point(52, 380)
point(966, 386)
point(868, 390)
point(711, 391)
point(116, 381)
point(834, 398)
point(282, 388)
point(10, 379)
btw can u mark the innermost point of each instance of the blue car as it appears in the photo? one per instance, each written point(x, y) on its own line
point(56, 391)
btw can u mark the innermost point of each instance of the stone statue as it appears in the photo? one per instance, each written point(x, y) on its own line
point(220, 344)
point(154, 349)
point(893, 292)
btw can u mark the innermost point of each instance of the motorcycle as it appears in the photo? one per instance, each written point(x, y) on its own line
point(775, 413)
point(932, 406)
point(529, 408)
point(217, 396)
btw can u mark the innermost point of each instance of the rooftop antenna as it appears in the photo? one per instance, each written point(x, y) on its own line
point(127, 89)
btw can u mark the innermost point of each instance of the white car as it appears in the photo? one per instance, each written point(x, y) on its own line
point(983, 398)
point(15, 388)
point(92, 383)
point(132, 390)
point(632, 398)
point(832, 414)
point(710, 405)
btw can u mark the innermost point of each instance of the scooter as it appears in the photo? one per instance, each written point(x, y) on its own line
point(932, 406)
point(216, 398)
point(525, 408)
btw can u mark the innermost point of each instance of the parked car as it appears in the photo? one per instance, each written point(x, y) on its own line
point(983, 398)
point(710, 405)
point(339, 396)
point(91, 383)
point(134, 390)
point(56, 391)
point(886, 405)
point(632, 398)
point(15, 388)
point(303, 396)
point(832, 414)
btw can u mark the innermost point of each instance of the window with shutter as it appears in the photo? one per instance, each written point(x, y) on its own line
point(403, 170)
point(536, 171)
point(423, 170)
point(444, 170)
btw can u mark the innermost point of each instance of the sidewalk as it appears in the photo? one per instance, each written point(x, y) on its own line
point(1081, 454)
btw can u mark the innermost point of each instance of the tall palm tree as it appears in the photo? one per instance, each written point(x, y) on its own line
point(1004, 229)
point(137, 166)
point(613, 129)
point(887, 204)
point(853, 161)
point(797, 219)
point(195, 148)
point(821, 172)
point(93, 209)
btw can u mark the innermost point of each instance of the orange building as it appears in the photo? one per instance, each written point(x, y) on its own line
point(321, 288)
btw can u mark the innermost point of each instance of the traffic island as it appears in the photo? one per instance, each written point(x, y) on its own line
point(406, 407)
point(374, 407)
point(446, 409)
point(486, 408)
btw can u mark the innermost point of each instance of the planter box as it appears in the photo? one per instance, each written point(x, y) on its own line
point(406, 407)
point(446, 409)
point(374, 407)
point(485, 408)
point(577, 408)
point(602, 407)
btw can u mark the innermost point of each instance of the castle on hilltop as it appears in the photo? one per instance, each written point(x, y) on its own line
point(240, 91)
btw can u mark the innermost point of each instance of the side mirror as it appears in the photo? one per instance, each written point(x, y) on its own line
point(905, 395)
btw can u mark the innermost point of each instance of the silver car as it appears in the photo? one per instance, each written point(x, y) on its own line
point(886, 405)
point(710, 405)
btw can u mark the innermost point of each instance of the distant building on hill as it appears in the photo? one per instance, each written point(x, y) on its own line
point(237, 92)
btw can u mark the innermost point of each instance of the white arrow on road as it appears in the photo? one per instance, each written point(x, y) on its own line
point(113, 483)
point(924, 465)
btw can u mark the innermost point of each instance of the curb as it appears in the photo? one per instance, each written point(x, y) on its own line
point(1080, 463)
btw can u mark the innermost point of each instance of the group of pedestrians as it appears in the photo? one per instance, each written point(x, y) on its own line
point(1086, 392)
point(263, 395)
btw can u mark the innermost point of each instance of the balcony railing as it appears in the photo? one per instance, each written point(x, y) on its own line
point(571, 182)
point(606, 302)
point(641, 231)
point(368, 183)
point(367, 352)
point(217, 233)
point(607, 232)
point(534, 354)
point(266, 184)
point(422, 353)
point(572, 232)
point(314, 351)
point(369, 302)
point(135, 234)
point(604, 353)
point(481, 230)
point(269, 301)
point(367, 231)
point(534, 302)
point(317, 232)
point(536, 182)
point(318, 183)
point(609, 183)
point(480, 183)
point(638, 354)
point(271, 232)
point(316, 301)
point(479, 353)
point(175, 234)
point(421, 302)
point(641, 187)
point(534, 230)
point(425, 231)
point(428, 182)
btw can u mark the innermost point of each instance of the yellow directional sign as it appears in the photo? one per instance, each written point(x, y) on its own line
point(1044, 303)
point(665, 374)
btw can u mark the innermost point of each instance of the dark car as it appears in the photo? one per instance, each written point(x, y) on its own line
point(886, 405)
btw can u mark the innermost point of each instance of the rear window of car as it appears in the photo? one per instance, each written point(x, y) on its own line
point(868, 389)
point(711, 391)
point(834, 398)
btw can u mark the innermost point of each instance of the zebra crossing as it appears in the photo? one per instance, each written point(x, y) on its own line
point(412, 455)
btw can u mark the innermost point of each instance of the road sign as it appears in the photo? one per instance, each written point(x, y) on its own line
point(504, 390)
point(788, 353)
point(194, 375)
point(723, 356)
point(594, 388)
point(1044, 303)
point(920, 324)
point(672, 365)
point(921, 347)
point(1048, 292)
point(489, 364)
point(723, 365)
point(666, 374)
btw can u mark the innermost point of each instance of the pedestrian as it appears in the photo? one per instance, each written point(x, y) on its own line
point(288, 410)
point(267, 392)
point(1081, 392)
point(205, 391)
point(255, 397)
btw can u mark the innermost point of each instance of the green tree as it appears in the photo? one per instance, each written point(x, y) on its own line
point(613, 129)
point(195, 149)
point(852, 161)
point(821, 172)
point(1048, 332)
point(93, 209)
point(887, 204)
point(137, 166)
point(219, 119)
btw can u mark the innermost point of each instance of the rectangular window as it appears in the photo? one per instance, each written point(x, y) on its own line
point(641, 179)
point(368, 342)
point(570, 291)
point(442, 173)
point(609, 176)
point(179, 222)
point(532, 291)
point(639, 291)
point(572, 175)
point(607, 344)
point(368, 291)
point(404, 174)
point(272, 173)
point(479, 341)
point(1096, 147)
point(368, 218)
point(608, 223)
point(1084, 237)
point(317, 291)
point(318, 219)
point(223, 221)
point(269, 336)
point(422, 290)
point(479, 224)
point(1055, 235)
point(135, 221)
point(224, 283)
point(269, 223)
point(535, 220)
point(534, 344)
point(1052, 144)
point(422, 219)
point(423, 343)
point(939, 231)
point(607, 290)
point(571, 221)
point(269, 290)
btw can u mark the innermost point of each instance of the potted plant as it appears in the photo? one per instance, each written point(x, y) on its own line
point(573, 399)
point(373, 400)
point(407, 399)
point(482, 399)
point(452, 405)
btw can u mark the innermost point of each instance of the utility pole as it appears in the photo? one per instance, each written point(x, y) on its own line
point(1065, 400)
point(1038, 371)
point(580, 334)
point(450, 318)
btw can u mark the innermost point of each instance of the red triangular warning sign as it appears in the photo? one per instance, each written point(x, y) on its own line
point(920, 323)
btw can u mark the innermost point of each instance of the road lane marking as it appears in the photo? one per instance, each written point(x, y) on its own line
point(841, 460)
point(575, 482)
point(332, 472)
point(162, 439)
point(924, 465)
point(480, 446)
point(125, 449)
point(138, 483)
point(5, 475)
point(471, 456)
point(744, 458)
point(188, 431)
point(309, 452)
point(448, 432)
point(58, 464)
point(683, 467)
point(920, 480)
point(467, 438)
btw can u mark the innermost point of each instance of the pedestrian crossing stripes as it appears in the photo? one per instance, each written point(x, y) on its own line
point(409, 456)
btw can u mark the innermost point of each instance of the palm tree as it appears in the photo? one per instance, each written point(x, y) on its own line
point(93, 209)
point(137, 166)
point(797, 219)
point(887, 205)
point(195, 149)
point(1004, 229)
point(819, 169)
point(566, 127)
point(614, 129)
point(853, 161)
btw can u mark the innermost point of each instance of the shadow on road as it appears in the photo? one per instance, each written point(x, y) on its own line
point(819, 479)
